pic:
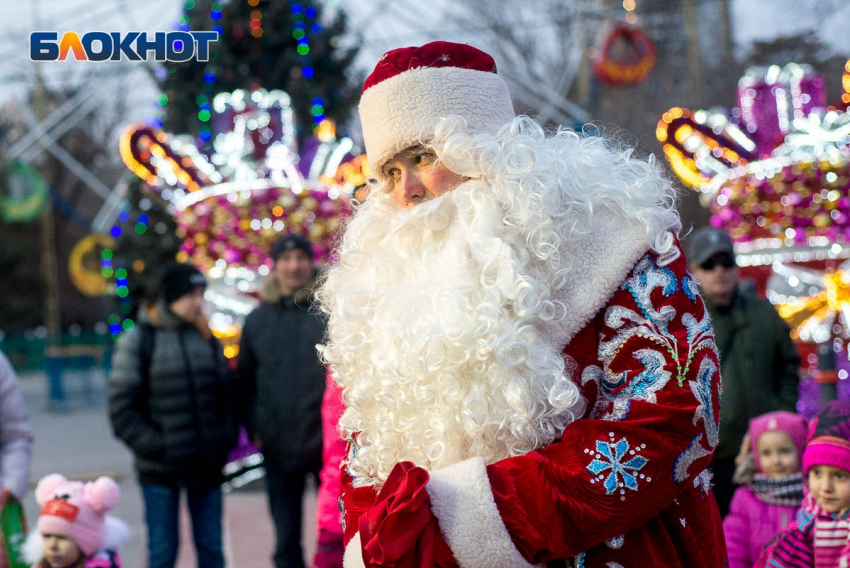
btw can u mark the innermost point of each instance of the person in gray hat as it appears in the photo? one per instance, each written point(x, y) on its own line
point(759, 361)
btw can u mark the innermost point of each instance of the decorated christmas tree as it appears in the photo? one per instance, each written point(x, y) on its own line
point(294, 47)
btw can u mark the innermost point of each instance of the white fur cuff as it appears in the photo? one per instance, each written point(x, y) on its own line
point(462, 501)
point(353, 557)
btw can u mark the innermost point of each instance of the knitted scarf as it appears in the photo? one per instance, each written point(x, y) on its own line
point(785, 492)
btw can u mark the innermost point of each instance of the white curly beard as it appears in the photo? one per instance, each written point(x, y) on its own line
point(425, 337)
point(440, 313)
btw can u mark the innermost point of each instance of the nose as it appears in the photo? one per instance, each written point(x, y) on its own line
point(408, 189)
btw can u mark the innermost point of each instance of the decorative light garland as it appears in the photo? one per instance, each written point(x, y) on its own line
point(178, 169)
point(615, 72)
point(775, 167)
point(775, 173)
point(231, 206)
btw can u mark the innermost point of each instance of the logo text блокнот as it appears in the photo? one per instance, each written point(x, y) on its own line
point(115, 46)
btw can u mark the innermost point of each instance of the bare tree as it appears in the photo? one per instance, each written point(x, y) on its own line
point(86, 137)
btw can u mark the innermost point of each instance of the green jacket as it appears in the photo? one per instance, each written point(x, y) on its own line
point(759, 366)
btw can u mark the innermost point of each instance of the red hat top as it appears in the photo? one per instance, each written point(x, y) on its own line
point(413, 88)
point(434, 54)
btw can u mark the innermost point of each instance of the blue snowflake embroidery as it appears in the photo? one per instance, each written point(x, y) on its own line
point(623, 474)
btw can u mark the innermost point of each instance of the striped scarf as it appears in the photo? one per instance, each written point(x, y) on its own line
point(817, 540)
point(784, 492)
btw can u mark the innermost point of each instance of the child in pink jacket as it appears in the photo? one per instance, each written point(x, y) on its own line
point(328, 516)
point(772, 486)
point(820, 535)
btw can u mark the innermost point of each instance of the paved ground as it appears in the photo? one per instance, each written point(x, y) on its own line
point(79, 442)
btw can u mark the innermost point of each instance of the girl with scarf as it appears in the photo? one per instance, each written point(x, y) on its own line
point(820, 535)
point(771, 486)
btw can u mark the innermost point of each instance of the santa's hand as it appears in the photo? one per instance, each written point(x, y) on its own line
point(400, 531)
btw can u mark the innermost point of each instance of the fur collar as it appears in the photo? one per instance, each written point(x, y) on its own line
point(602, 260)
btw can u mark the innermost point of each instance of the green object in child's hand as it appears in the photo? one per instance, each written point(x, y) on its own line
point(14, 529)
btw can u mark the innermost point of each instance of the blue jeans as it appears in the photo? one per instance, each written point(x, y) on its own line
point(162, 515)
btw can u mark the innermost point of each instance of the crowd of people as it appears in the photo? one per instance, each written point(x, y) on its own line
point(512, 361)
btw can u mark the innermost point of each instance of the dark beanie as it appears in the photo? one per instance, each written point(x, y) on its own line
point(289, 242)
point(179, 280)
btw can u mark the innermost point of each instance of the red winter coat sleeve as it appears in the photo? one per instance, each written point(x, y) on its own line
point(652, 357)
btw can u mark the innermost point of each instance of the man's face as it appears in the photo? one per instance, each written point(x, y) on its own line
point(415, 176)
point(293, 269)
point(718, 278)
point(189, 306)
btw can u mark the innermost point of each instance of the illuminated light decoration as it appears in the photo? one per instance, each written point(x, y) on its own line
point(700, 145)
point(639, 62)
point(845, 82)
point(254, 185)
point(775, 171)
point(86, 264)
point(145, 152)
point(816, 304)
point(299, 33)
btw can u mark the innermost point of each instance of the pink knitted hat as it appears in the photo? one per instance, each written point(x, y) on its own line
point(829, 437)
point(783, 421)
point(76, 510)
point(412, 88)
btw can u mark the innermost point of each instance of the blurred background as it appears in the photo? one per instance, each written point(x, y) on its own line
point(110, 169)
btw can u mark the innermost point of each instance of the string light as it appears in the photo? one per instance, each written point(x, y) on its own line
point(301, 26)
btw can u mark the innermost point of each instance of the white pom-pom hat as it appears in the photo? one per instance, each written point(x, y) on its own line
point(412, 88)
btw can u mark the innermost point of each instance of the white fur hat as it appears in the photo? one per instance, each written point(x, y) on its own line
point(412, 88)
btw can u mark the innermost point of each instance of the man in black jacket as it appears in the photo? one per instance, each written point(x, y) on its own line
point(283, 383)
point(171, 401)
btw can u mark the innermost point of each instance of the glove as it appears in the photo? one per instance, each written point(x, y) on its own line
point(400, 531)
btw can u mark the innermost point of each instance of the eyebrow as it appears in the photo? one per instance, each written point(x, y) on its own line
point(413, 150)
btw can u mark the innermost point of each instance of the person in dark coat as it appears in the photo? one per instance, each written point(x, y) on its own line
point(171, 401)
point(759, 361)
point(283, 383)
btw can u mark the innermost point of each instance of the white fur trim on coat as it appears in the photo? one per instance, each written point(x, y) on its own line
point(403, 111)
point(353, 556)
point(462, 501)
point(601, 261)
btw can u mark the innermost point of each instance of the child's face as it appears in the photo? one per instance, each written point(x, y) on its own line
point(777, 454)
point(60, 551)
point(830, 486)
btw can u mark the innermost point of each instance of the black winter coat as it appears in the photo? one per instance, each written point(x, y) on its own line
point(178, 419)
point(283, 381)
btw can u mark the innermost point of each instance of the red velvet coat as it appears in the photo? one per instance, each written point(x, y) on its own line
point(624, 487)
